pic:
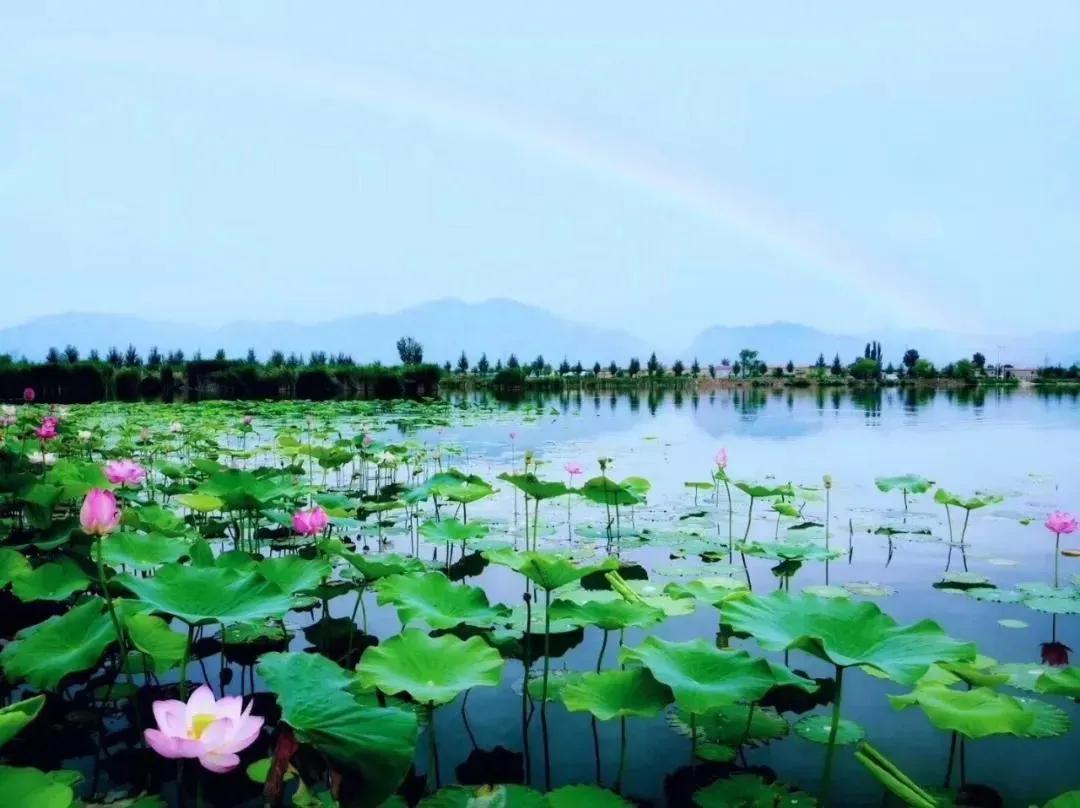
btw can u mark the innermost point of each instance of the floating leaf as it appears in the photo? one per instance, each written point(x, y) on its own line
point(432, 670)
point(817, 728)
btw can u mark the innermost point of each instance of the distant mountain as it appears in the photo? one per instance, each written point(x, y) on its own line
point(444, 327)
point(500, 327)
point(779, 342)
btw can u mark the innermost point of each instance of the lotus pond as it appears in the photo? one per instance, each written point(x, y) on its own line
point(738, 598)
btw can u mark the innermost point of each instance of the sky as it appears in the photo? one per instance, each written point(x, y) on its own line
point(655, 167)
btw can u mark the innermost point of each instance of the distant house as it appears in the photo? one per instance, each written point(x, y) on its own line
point(1020, 374)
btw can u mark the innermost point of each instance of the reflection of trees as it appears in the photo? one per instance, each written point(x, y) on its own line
point(915, 397)
point(868, 399)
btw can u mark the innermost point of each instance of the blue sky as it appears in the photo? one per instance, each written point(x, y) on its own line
point(658, 168)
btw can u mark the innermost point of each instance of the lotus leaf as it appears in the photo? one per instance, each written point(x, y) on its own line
point(433, 670)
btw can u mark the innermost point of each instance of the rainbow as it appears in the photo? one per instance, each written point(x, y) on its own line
point(809, 248)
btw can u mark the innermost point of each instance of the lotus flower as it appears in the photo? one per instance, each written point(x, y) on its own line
point(99, 514)
point(28, 395)
point(47, 430)
point(311, 521)
point(1061, 522)
point(176, 427)
point(721, 459)
point(211, 730)
point(8, 409)
point(368, 440)
point(125, 473)
point(42, 458)
point(573, 469)
point(1054, 653)
point(827, 480)
point(7, 420)
point(144, 434)
point(85, 435)
point(249, 420)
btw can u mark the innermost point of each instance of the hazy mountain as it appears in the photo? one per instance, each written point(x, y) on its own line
point(444, 327)
point(776, 343)
point(499, 327)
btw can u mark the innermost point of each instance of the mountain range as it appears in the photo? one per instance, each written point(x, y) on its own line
point(500, 327)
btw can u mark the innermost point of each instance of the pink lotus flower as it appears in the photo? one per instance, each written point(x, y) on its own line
point(211, 730)
point(249, 420)
point(47, 430)
point(28, 395)
point(368, 440)
point(1061, 522)
point(1055, 654)
point(99, 514)
point(311, 521)
point(721, 459)
point(125, 473)
point(573, 469)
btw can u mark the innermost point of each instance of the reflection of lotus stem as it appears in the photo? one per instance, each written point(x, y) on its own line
point(603, 648)
point(826, 779)
point(827, 492)
point(433, 747)
point(730, 517)
point(746, 535)
point(963, 530)
point(1057, 557)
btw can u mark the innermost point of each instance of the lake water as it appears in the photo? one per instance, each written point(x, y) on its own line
point(1019, 444)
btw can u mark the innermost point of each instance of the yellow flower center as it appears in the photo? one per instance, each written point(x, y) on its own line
point(199, 723)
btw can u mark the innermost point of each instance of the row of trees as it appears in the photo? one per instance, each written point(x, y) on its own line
point(155, 359)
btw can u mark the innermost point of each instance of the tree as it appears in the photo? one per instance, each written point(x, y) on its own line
point(836, 368)
point(653, 365)
point(747, 357)
point(483, 366)
point(317, 359)
point(613, 368)
point(463, 363)
point(964, 370)
point(578, 369)
point(678, 367)
point(153, 358)
point(52, 357)
point(251, 358)
point(596, 369)
point(978, 361)
point(923, 369)
point(695, 368)
point(820, 363)
point(778, 372)
point(790, 367)
point(498, 365)
point(513, 363)
point(277, 359)
point(114, 357)
point(634, 367)
point(864, 369)
point(94, 355)
point(410, 351)
point(564, 367)
point(446, 365)
point(911, 357)
point(712, 371)
point(71, 354)
point(736, 369)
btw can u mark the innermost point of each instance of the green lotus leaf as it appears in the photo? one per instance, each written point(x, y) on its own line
point(152, 636)
point(604, 491)
point(638, 486)
point(15, 716)
point(453, 485)
point(69, 643)
point(293, 574)
point(826, 591)
point(374, 567)
point(55, 580)
point(248, 490)
point(788, 551)
point(1022, 675)
point(974, 713)
point(786, 509)
point(31, 787)
point(319, 700)
point(1048, 720)
point(704, 677)
point(758, 491)
point(980, 500)
point(532, 621)
point(712, 590)
point(451, 530)
point(699, 485)
point(609, 615)
point(433, 670)
point(616, 694)
point(733, 725)
point(1060, 682)
point(845, 632)
point(1054, 605)
point(203, 503)
point(751, 791)
point(13, 564)
point(210, 594)
point(437, 601)
point(1070, 799)
point(818, 728)
point(536, 488)
point(910, 483)
point(500, 796)
point(585, 797)
point(154, 519)
point(143, 551)
point(547, 570)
